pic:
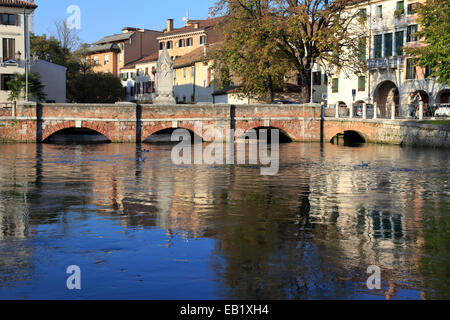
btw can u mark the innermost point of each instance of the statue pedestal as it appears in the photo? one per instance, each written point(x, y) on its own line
point(164, 98)
point(164, 84)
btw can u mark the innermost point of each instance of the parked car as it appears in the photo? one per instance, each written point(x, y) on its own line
point(442, 111)
point(369, 111)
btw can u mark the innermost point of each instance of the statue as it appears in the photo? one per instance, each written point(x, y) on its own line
point(164, 80)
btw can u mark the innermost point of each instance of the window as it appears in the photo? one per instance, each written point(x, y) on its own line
point(202, 39)
point(412, 8)
point(169, 45)
point(106, 59)
point(161, 46)
point(181, 43)
point(124, 76)
point(362, 83)
point(362, 13)
point(317, 78)
point(9, 49)
point(410, 69)
point(411, 30)
point(184, 73)
point(399, 43)
point(378, 45)
point(388, 45)
point(192, 71)
point(379, 12)
point(362, 49)
point(8, 19)
point(5, 79)
point(401, 6)
point(335, 85)
point(96, 60)
point(189, 42)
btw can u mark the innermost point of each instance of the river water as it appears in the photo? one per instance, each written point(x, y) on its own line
point(154, 230)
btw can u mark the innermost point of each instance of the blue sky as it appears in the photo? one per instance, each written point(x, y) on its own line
point(105, 17)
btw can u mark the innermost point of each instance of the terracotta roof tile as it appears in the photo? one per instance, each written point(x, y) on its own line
point(203, 24)
point(18, 4)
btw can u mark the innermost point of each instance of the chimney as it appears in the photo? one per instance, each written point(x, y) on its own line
point(196, 25)
point(169, 25)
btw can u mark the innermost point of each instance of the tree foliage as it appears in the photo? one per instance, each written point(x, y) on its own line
point(434, 18)
point(95, 88)
point(83, 85)
point(17, 87)
point(266, 41)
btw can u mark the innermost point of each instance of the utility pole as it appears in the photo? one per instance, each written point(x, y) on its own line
point(370, 52)
point(27, 54)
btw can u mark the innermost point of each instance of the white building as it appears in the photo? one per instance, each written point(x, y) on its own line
point(53, 77)
point(390, 25)
point(14, 40)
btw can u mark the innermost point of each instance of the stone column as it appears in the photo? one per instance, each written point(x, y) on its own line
point(393, 111)
point(337, 110)
point(421, 110)
point(351, 111)
point(375, 110)
point(364, 115)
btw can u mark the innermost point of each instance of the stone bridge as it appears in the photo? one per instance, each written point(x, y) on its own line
point(129, 122)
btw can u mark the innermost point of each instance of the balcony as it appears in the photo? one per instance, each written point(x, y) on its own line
point(384, 63)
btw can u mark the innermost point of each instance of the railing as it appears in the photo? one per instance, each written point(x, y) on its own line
point(387, 111)
point(385, 63)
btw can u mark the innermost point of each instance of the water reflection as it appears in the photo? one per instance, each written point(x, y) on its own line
point(308, 233)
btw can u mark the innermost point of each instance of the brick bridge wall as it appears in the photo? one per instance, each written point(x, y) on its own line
point(134, 123)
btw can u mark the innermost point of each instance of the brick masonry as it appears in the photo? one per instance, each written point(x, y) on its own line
point(134, 123)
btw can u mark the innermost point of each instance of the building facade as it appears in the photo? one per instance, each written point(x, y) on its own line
point(112, 53)
point(14, 35)
point(53, 77)
point(391, 26)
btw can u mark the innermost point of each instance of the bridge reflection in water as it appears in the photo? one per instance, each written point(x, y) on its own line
point(224, 231)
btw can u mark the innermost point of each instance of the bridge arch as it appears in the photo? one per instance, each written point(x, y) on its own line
point(150, 130)
point(353, 130)
point(285, 136)
point(58, 127)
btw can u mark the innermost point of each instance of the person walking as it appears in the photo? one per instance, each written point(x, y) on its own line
point(413, 100)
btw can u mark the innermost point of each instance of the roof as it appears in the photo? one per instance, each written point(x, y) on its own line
point(190, 26)
point(194, 56)
point(103, 48)
point(115, 38)
point(151, 57)
point(18, 4)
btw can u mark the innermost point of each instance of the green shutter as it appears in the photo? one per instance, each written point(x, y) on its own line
point(399, 43)
point(335, 85)
point(378, 45)
point(388, 45)
point(362, 49)
point(362, 83)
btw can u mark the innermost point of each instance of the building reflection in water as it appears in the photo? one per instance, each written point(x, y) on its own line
point(309, 232)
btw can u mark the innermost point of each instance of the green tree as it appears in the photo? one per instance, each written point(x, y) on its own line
point(17, 87)
point(95, 88)
point(266, 41)
point(434, 17)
